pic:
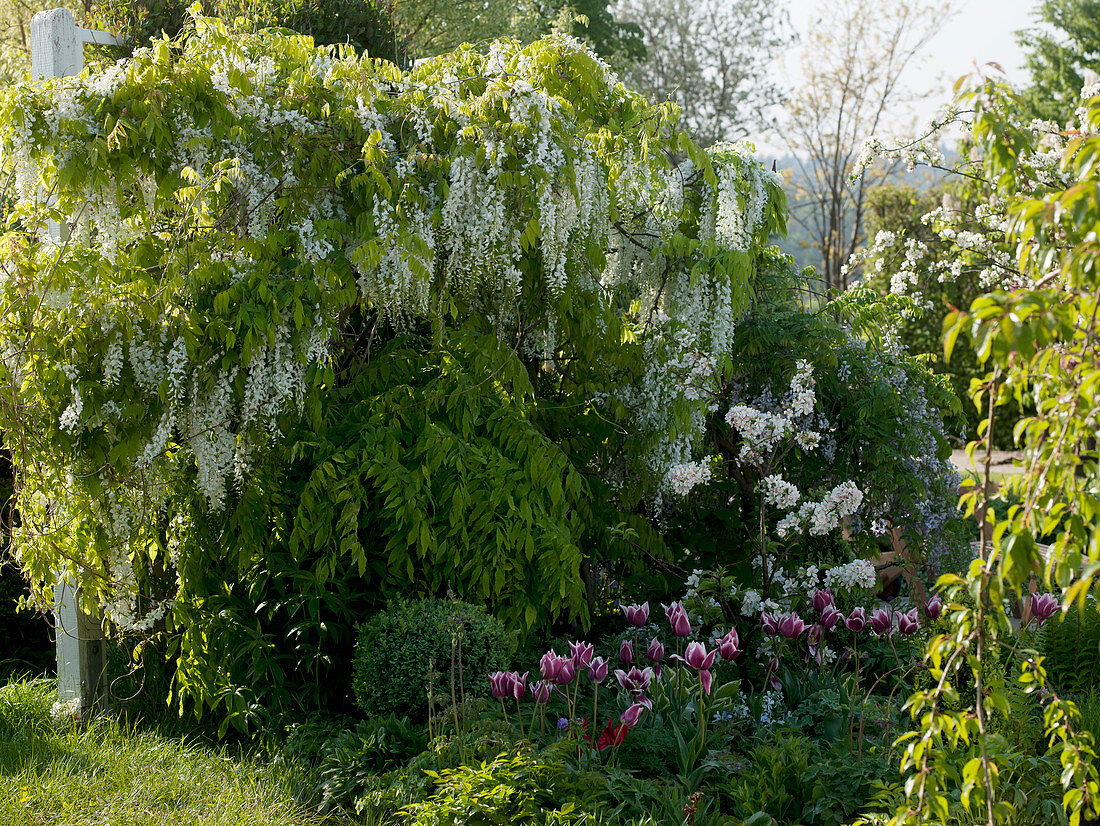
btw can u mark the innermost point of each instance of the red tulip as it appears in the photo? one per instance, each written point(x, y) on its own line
point(612, 735)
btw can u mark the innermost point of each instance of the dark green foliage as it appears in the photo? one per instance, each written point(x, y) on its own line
point(27, 646)
point(773, 779)
point(139, 681)
point(397, 648)
point(340, 759)
point(842, 783)
point(650, 752)
point(364, 24)
point(1058, 59)
point(1071, 645)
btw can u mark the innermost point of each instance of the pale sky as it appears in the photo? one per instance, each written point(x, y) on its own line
point(980, 31)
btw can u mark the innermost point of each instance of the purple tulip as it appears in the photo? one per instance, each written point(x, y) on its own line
point(881, 621)
point(697, 656)
point(706, 680)
point(908, 623)
point(636, 615)
point(823, 598)
point(656, 651)
point(550, 665)
point(857, 620)
point(597, 670)
point(768, 623)
point(519, 684)
point(540, 693)
point(557, 670)
point(634, 681)
point(1043, 607)
point(582, 654)
point(626, 652)
point(830, 617)
point(815, 635)
point(678, 619)
point(728, 646)
point(791, 625)
point(630, 717)
point(772, 667)
point(500, 684)
point(933, 607)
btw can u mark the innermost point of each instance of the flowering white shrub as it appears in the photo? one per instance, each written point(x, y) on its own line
point(248, 216)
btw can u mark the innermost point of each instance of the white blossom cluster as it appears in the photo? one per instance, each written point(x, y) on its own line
point(819, 518)
point(762, 432)
point(859, 573)
point(780, 493)
point(124, 607)
point(682, 478)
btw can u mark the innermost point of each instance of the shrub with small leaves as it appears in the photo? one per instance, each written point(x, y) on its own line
point(408, 649)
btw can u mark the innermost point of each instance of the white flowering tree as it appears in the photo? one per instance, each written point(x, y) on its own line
point(320, 331)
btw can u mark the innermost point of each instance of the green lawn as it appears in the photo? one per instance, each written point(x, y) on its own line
point(107, 774)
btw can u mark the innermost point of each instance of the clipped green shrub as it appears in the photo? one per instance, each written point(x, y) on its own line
point(1071, 645)
point(408, 648)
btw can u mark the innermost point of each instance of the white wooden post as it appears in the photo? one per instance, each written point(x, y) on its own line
point(57, 50)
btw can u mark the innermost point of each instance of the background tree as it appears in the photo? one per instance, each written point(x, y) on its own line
point(712, 57)
point(430, 27)
point(851, 89)
point(366, 25)
point(1060, 56)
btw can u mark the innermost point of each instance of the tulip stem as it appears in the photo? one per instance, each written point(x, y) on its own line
point(702, 719)
point(502, 708)
point(855, 690)
point(519, 717)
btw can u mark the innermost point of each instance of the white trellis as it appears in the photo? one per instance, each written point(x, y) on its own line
point(57, 50)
